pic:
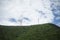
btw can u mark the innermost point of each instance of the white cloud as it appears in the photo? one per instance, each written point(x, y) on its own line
point(27, 8)
point(8, 23)
point(57, 18)
point(56, 11)
point(58, 24)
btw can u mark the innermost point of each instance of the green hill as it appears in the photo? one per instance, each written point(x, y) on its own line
point(34, 32)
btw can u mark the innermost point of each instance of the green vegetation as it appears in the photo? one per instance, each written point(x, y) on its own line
point(34, 32)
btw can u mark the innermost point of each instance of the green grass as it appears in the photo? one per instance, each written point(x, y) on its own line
point(34, 32)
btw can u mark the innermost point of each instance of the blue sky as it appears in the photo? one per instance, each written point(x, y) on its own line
point(30, 12)
point(56, 11)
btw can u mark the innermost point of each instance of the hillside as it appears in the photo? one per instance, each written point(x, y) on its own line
point(34, 32)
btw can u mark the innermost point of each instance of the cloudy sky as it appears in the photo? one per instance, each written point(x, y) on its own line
point(29, 12)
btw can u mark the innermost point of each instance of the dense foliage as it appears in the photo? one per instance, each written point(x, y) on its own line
point(35, 32)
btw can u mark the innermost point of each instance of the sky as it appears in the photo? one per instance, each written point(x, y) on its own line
point(29, 12)
point(56, 11)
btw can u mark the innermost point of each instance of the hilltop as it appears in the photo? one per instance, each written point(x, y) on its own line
point(35, 32)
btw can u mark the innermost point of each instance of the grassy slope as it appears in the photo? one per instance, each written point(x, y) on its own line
point(35, 32)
